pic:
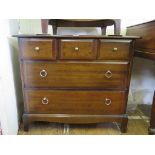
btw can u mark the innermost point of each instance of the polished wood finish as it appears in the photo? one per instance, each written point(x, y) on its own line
point(77, 119)
point(76, 74)
point(102, 23)
point(78, 49)
point(145, 48)
point(77, 89)
point(37, 49)
point(136, 126)
point(74, 37)
point(115, 50)
point(82, 102)
point(124, 124)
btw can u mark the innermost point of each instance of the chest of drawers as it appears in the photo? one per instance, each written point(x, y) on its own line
point(75, 79)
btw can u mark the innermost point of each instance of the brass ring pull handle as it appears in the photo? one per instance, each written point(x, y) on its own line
point(44, 100)
point(36, 48)
point(108, 74)
point(43, 73)
point(115, 49)
point(76, 49)
point(107, 101)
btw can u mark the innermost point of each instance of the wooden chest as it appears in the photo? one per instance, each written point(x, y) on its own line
point(75, 79)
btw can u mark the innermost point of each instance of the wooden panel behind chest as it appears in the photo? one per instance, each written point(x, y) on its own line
point(75, 102)
point(75, 75)
point(37, 49)
point(144, 47)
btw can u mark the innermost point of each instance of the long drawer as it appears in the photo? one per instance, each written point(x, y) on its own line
point(75, 102)
point(75, 74)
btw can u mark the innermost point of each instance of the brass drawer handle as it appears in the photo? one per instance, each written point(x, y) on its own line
point(43, 73)
point(36, 48)
point(108, 74)
point(44, 100)
point(115, 49)
point(76, 49)
point(107, 101)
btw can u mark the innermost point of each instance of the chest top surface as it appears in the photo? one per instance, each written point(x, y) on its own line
point(76, 36)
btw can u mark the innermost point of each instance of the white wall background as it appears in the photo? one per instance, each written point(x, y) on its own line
point(33, 26)
point(8, 99)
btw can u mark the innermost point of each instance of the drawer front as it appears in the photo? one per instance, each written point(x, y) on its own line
point(114, 50)
point(78, 49)
point(75, 102)
point(75, 75)
point(37, 49)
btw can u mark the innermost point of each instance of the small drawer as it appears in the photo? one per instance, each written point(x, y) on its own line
point(75, 102)
point(78, 49)
point(37, 49)
point(114, 50)
point(75, 74)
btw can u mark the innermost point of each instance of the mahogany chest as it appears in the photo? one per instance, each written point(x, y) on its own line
point(75, 79)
